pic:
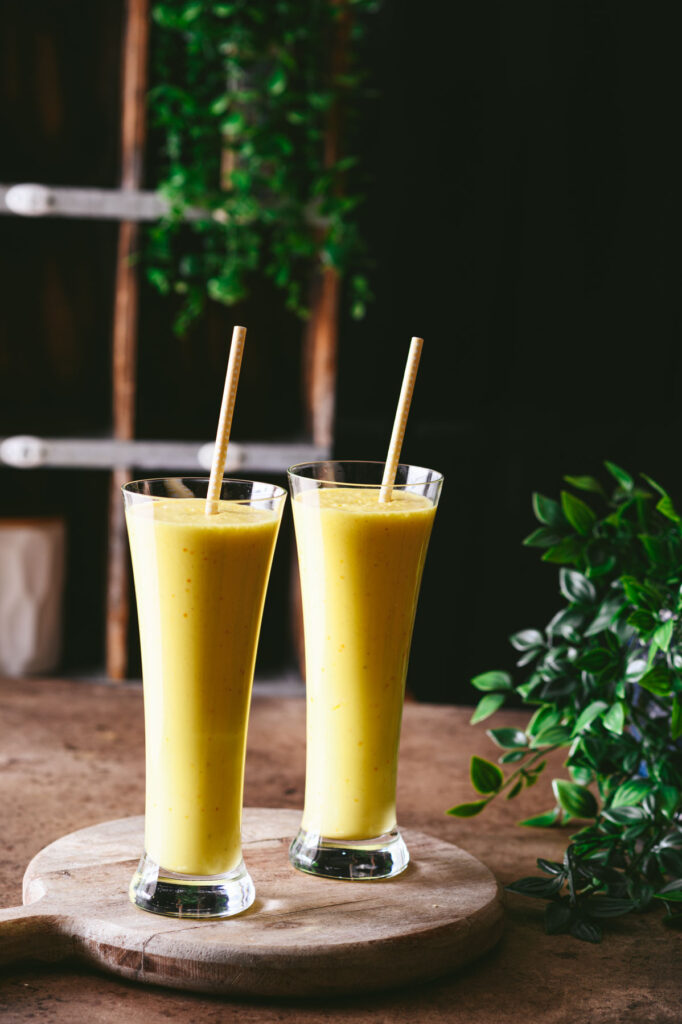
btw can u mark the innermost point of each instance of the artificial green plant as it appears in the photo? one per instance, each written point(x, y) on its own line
point(604, 680)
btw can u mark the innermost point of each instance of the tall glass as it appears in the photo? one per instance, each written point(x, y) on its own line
point(361, 563)
point(200, 582)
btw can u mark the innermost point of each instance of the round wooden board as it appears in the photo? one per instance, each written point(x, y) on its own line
point(303, 936)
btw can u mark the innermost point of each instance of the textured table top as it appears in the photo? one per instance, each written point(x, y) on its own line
point(71, 755)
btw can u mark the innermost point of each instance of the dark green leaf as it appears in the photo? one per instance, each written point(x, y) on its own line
point(608, 611)
point(486, 777)
point(468, 810)
point(538, 888)
point(550, 867)
point(622, 478)
point(586, 930)
point(575, 587)
point(657, 680)
point(642, 620)
point(665, 505)
point(594, 659)
point(608, 906)
point(676, 719)
point(557, 918)
point(492, 681)
point(512, 756)
point(543, 537)
point(567, 551)
point(515, 790)
point(548, 511)
point(508, 738)
point(578, 513)
point(574, 799)
point(487, 706)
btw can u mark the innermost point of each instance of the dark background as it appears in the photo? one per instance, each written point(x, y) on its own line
point(523, 216)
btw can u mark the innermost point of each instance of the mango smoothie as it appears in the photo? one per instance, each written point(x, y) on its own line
point(200, 582)
point(361, 563)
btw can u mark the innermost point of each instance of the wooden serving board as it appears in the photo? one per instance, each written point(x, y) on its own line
point(303, 936)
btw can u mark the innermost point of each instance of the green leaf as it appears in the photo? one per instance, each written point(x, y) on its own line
point(548, 511)
point(557, 918)
point(493, 681)
point(608, 612)
point(545, 820)
point(557, 736)
point(657, 680)
point(586, 930)
point(543, 537)
point(595, 659)
point(669, 799)
point(526, 639)
point(567, 550)
point(486, 777)
point(665, 505)
point(508, 738)
point(579, 514)
point(608, 906)
point(486, 707)
point(631, 793)
point(663, 634)
point(512, 756)
point(676, 719)
point(515, 790)
point(642, 620)
point(574, 799)
point(588, 715)
point(576, 588)
point(622, 478)
point(536, 887)
point(545, 717)
point(277, 82)
point(614, 719)
point(585, 483)
point(624, 815)
point(468, 810)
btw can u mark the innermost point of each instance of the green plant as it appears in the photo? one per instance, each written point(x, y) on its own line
point(605, 682)
point(244, 96)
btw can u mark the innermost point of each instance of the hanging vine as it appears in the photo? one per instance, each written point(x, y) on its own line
point(244, 97)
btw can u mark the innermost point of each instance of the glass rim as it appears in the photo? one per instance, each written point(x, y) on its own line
point(435, 478)
point(278, 492)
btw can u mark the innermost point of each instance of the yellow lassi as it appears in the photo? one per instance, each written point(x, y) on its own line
point(361, 563)
point(200, 582)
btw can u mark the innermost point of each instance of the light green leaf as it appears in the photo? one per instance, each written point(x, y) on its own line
point(614, 719)
point(663, 634)
point(585, 483)
point(486, 707)
point(588, 715)
point(545, 820)
point(631, 793)
point(492, 681)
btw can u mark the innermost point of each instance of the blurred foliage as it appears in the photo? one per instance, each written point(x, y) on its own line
point(243, 95)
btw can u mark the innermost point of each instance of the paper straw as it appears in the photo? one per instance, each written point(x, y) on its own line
point(225, 421)
point(393, 457)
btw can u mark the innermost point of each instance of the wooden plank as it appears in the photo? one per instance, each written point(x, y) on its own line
point(133, 124)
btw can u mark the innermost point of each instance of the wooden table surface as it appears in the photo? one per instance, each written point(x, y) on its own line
point(72, 754)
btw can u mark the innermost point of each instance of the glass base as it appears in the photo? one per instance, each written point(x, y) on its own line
point(164, 892)
point(351, 859)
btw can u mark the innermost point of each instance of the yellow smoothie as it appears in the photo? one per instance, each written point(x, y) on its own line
point(361, 563)
point(200, 583)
